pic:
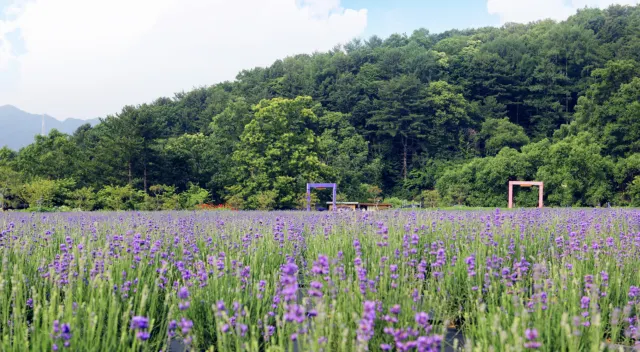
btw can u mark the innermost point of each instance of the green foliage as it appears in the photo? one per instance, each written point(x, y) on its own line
point(346, 153)
point(576, 173)
point(430, 198)
point(634, 192)
point(193, 196)
point(7, 157)
point(161, 197)
point(118, 197)
point(39, 193)
point(499, 133)
point(10, 187)
point(266, 200)
point(52, 157)
point(460, 112)
point(370, 193)
point(483, 182)
point(279, 152)
point(395, 202)
point(82, 198)
point(315, 201)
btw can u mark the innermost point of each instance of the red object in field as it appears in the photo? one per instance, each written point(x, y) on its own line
point(526, 184)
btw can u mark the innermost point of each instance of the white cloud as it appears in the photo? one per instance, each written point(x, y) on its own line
point(523, 11)
point(88, 58)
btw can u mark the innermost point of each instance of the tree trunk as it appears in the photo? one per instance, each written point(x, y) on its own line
point(130, 173)
point(404, 158)
point(145, 177)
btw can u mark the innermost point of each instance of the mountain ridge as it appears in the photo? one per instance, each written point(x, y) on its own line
point(18, 128)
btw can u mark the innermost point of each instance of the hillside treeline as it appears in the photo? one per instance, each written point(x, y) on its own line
point(443, 118)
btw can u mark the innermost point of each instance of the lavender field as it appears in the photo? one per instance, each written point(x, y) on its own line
point(549, 280)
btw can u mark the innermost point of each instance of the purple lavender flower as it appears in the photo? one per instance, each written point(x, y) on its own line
point(471, 265)
point(139, 323)
point(65, 332)
point(422, 319)
point(143, 335)
point(185, 326)
point(171, 328)
point(365, 329)
point(531, 335)
point(183, 293)
point(295, 313)
point(321, 266)
point(584, 302)
point(61, 332)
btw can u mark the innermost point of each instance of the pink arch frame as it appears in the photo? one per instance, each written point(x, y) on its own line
point(526, 184)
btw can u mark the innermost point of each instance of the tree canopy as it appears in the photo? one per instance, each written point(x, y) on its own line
point(446, 118)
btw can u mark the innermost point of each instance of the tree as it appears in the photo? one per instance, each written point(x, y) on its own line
point(119, 147)
point(372, 193)
point(193, 196)
point(39, 193)
point(53, 156)
point(83, 199)
point(634, 192)
point(399, 116)
point(7, 157)
point(616, 120)
point(576, 173)
point(161, 197)
point(346, 153)
point(279, 152)
point(460, 112)
point(10, 184)
point(499, 133)
point(119, 198)
point(449, 119)
point(226, 129)
point(186, 159)
point(430, 198)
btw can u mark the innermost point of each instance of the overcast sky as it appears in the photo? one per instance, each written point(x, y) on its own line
point(88, 58)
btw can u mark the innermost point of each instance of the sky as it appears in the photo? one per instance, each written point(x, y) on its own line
point(89, 58)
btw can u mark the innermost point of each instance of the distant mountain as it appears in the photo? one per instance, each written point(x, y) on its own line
point(18, 128)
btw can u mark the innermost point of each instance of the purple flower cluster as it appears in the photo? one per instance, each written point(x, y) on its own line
point(61, 333)
point(365, 328)
point(140, 325)
point(183, 295)
point(282, 277)
point(532, 335)
point(289, 282)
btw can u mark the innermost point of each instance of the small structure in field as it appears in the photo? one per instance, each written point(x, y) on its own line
point(344, 205)
point(333, 186)
point(540, 186)
point(359, 206)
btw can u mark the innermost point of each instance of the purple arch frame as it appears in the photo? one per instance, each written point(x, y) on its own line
point(320, 185)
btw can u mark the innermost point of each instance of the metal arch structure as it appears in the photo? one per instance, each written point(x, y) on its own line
point(526, 184)
point(321, 186)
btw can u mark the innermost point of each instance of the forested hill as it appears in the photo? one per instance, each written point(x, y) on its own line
point(444, 118)
point(17, 128)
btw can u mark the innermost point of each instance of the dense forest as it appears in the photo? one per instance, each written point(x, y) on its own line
point(442, 119)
